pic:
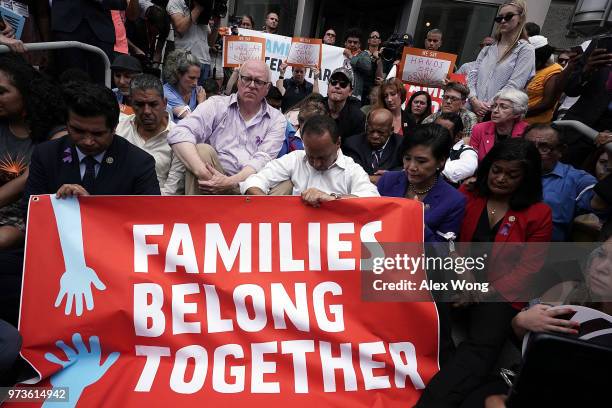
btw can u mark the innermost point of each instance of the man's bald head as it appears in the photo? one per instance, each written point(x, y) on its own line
point(380, 116)
point(257, 65)
point(379, 127)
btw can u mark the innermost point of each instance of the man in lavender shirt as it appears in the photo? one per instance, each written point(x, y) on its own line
point(228, 138)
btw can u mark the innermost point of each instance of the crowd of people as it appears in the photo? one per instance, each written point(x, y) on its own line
point(489, 166)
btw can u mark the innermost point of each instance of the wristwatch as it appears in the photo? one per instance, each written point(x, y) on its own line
point(281, 77)
point(335, 195)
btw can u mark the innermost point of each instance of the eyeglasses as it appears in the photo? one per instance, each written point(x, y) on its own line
point(505, 17)
point(545, 147)
point(330, 34)
point(451, 98)
point(375, 37)
point(247, 80)
point(343, 84)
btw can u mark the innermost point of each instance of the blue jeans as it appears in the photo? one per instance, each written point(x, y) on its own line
point(204, 73)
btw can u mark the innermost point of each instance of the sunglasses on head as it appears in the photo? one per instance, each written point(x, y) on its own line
point(343, 83)
point(505, 17)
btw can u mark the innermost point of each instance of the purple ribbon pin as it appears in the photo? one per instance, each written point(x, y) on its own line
point(258, 140)
point(67, 157)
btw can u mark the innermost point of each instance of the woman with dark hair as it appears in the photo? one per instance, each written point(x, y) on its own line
point(419, 105)
point(391, 96)
point(424, 154)
point(247, 22)
point(505, 208)
point(542, 89)
point(31, 111)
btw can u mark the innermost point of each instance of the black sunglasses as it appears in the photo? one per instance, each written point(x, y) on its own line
point(505, 17)
point(374, 37)
point(342, 83)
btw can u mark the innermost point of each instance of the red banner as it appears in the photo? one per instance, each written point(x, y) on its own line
point(220, 301)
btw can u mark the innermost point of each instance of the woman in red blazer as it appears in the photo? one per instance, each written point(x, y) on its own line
point(507, 113)
point(505, 208)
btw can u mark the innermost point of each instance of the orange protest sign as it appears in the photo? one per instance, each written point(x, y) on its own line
point(238, 49)
point(220, 301)
point(305, 52)
point(424, 67)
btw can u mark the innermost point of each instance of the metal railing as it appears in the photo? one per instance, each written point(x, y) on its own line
point(582, 129)
point(58, 45)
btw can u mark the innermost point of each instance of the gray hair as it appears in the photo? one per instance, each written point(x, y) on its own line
point(519, 100)
point(145, 82)
point(176, 65)
point(434, 31)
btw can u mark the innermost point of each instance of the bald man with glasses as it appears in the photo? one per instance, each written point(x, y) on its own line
point(228, 138)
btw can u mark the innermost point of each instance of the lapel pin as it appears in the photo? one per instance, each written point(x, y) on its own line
point(512, 218)
point(427, 206)
point(109, 160)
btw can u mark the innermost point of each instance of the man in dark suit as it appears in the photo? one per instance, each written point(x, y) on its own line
point(376, 149)
point(91, 159)
point(87, 21)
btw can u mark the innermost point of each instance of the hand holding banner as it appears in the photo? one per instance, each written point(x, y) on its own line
point(305, 52)
point(238, 49)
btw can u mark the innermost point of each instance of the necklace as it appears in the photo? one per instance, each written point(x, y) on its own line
point(422, 192)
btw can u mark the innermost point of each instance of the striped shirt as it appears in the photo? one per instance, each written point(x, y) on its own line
point(489, 75)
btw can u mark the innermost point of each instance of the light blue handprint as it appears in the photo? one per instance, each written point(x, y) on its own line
point(75, 283)
point(82, 369)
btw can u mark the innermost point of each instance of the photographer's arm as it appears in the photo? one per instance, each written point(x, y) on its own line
point(182, 22)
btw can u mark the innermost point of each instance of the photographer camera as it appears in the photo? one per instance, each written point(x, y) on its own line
point(391, 52)
point(190, 19)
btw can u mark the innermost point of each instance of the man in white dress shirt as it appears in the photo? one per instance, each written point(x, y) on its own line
point(319, 173)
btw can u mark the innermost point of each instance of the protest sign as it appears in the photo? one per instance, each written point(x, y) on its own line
point(425, 67)
point(277, 51)
point(305, 52)
point(238, 49)
point(220, 301)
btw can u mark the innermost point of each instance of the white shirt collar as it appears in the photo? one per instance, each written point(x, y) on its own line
point(98, 157)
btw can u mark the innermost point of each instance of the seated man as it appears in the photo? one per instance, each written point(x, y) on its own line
point(455, 96)
point(345, 109)
point(91, 159)
point(236, 134)
point(148, 129)
point(125, 67)
point(376, 150)
point(568, 191)
point(319, 173)
point(462, 160)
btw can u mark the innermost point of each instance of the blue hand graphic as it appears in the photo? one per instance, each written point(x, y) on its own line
point(82, 369)
point(75, 283)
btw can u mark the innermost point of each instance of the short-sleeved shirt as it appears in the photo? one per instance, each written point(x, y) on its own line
point(175, 100)
point(294, 92)
point(15, 155)
point(195, 39)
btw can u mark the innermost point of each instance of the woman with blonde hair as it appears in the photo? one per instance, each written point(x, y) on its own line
point(507, 63)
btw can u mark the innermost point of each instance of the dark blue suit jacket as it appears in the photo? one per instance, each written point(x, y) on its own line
point(125, 169)
point(66, 15)
point(444, 205)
